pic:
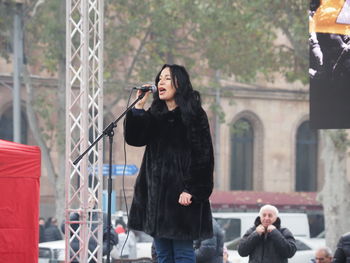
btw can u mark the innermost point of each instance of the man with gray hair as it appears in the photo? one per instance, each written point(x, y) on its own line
point(323, 255)
point(267, 241)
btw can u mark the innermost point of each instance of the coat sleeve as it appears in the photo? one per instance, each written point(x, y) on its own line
point(249, 242)
point(199, 182)
point(57, 234)
point(138, 127)
point(284, 242)
point(339, 255)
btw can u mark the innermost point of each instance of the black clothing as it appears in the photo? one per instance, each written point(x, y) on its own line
point(41, 233)
point(342, 253)
point(274, 247)
point(52, 233)
point(211, 250)
point(178, 158)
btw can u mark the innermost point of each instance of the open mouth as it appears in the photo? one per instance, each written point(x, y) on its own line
point(161, 91)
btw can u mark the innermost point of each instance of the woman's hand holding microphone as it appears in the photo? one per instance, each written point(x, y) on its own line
point(141, 103)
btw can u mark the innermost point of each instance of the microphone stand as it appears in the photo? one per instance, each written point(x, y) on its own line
point(108, 131)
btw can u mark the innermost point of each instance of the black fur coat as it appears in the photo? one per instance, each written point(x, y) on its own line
point(176, 159)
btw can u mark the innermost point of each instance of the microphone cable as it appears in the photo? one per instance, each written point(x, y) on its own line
point(123, 176)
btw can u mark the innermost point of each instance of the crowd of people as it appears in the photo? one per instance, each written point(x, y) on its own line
point(341, 254)
point(48, 230)
point(265, 241)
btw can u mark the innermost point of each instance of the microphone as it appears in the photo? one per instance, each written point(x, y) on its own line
point(152, 88)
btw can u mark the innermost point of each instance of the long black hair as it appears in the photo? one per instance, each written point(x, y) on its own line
point(186, 98)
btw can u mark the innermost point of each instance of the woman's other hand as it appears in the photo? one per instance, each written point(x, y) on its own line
point(185, 199)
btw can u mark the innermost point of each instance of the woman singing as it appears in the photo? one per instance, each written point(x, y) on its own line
point(171, 198)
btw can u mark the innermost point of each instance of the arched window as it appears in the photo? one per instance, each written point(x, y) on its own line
point(306, 159)
point(6, 126)
point(242, 143)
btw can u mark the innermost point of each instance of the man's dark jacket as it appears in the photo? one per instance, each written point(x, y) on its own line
point(274, 247)
point(177, 158)
point(211, 250)
point(342, 253)
point(52, 233)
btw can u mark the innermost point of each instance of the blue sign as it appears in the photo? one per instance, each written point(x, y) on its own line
point(120, 169)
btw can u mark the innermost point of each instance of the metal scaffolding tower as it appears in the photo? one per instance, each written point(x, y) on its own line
point(84, 123)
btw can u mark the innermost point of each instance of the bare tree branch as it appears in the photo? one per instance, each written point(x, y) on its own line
point(34, 126)
point(36, 6)
point(132, 66)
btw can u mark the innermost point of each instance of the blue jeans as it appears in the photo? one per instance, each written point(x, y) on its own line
point(174, 251)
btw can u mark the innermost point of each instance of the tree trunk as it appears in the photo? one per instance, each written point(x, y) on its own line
point(336, 190)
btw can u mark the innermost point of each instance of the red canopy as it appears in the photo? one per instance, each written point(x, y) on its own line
point(20, 168)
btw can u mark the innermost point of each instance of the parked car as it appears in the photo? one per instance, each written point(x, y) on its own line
point(52, 252)
point(322, 234)
point(306, 248)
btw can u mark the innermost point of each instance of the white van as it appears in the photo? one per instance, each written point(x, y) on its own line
point(235, 224)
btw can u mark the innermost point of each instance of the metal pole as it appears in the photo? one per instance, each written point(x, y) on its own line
point(17, 69)
point(84, 119)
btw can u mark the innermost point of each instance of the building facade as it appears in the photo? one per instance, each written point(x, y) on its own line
point(264, 144)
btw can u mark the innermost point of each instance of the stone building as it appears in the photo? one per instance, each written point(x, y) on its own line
point(265, 143)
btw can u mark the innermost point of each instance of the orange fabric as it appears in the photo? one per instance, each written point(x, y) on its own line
point(325, 18)
point(20, 168)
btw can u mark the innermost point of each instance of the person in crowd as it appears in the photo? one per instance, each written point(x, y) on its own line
point(342, 252)
point(226, 256)
point(41, 230)
point(211, 250)
point(121, 250)
point(51, 232)
point(120, 221)
point(131, 238)
point(93, 216)
point(48, 222)
point(267, 241)
point(171, 195)
point(323, 255)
